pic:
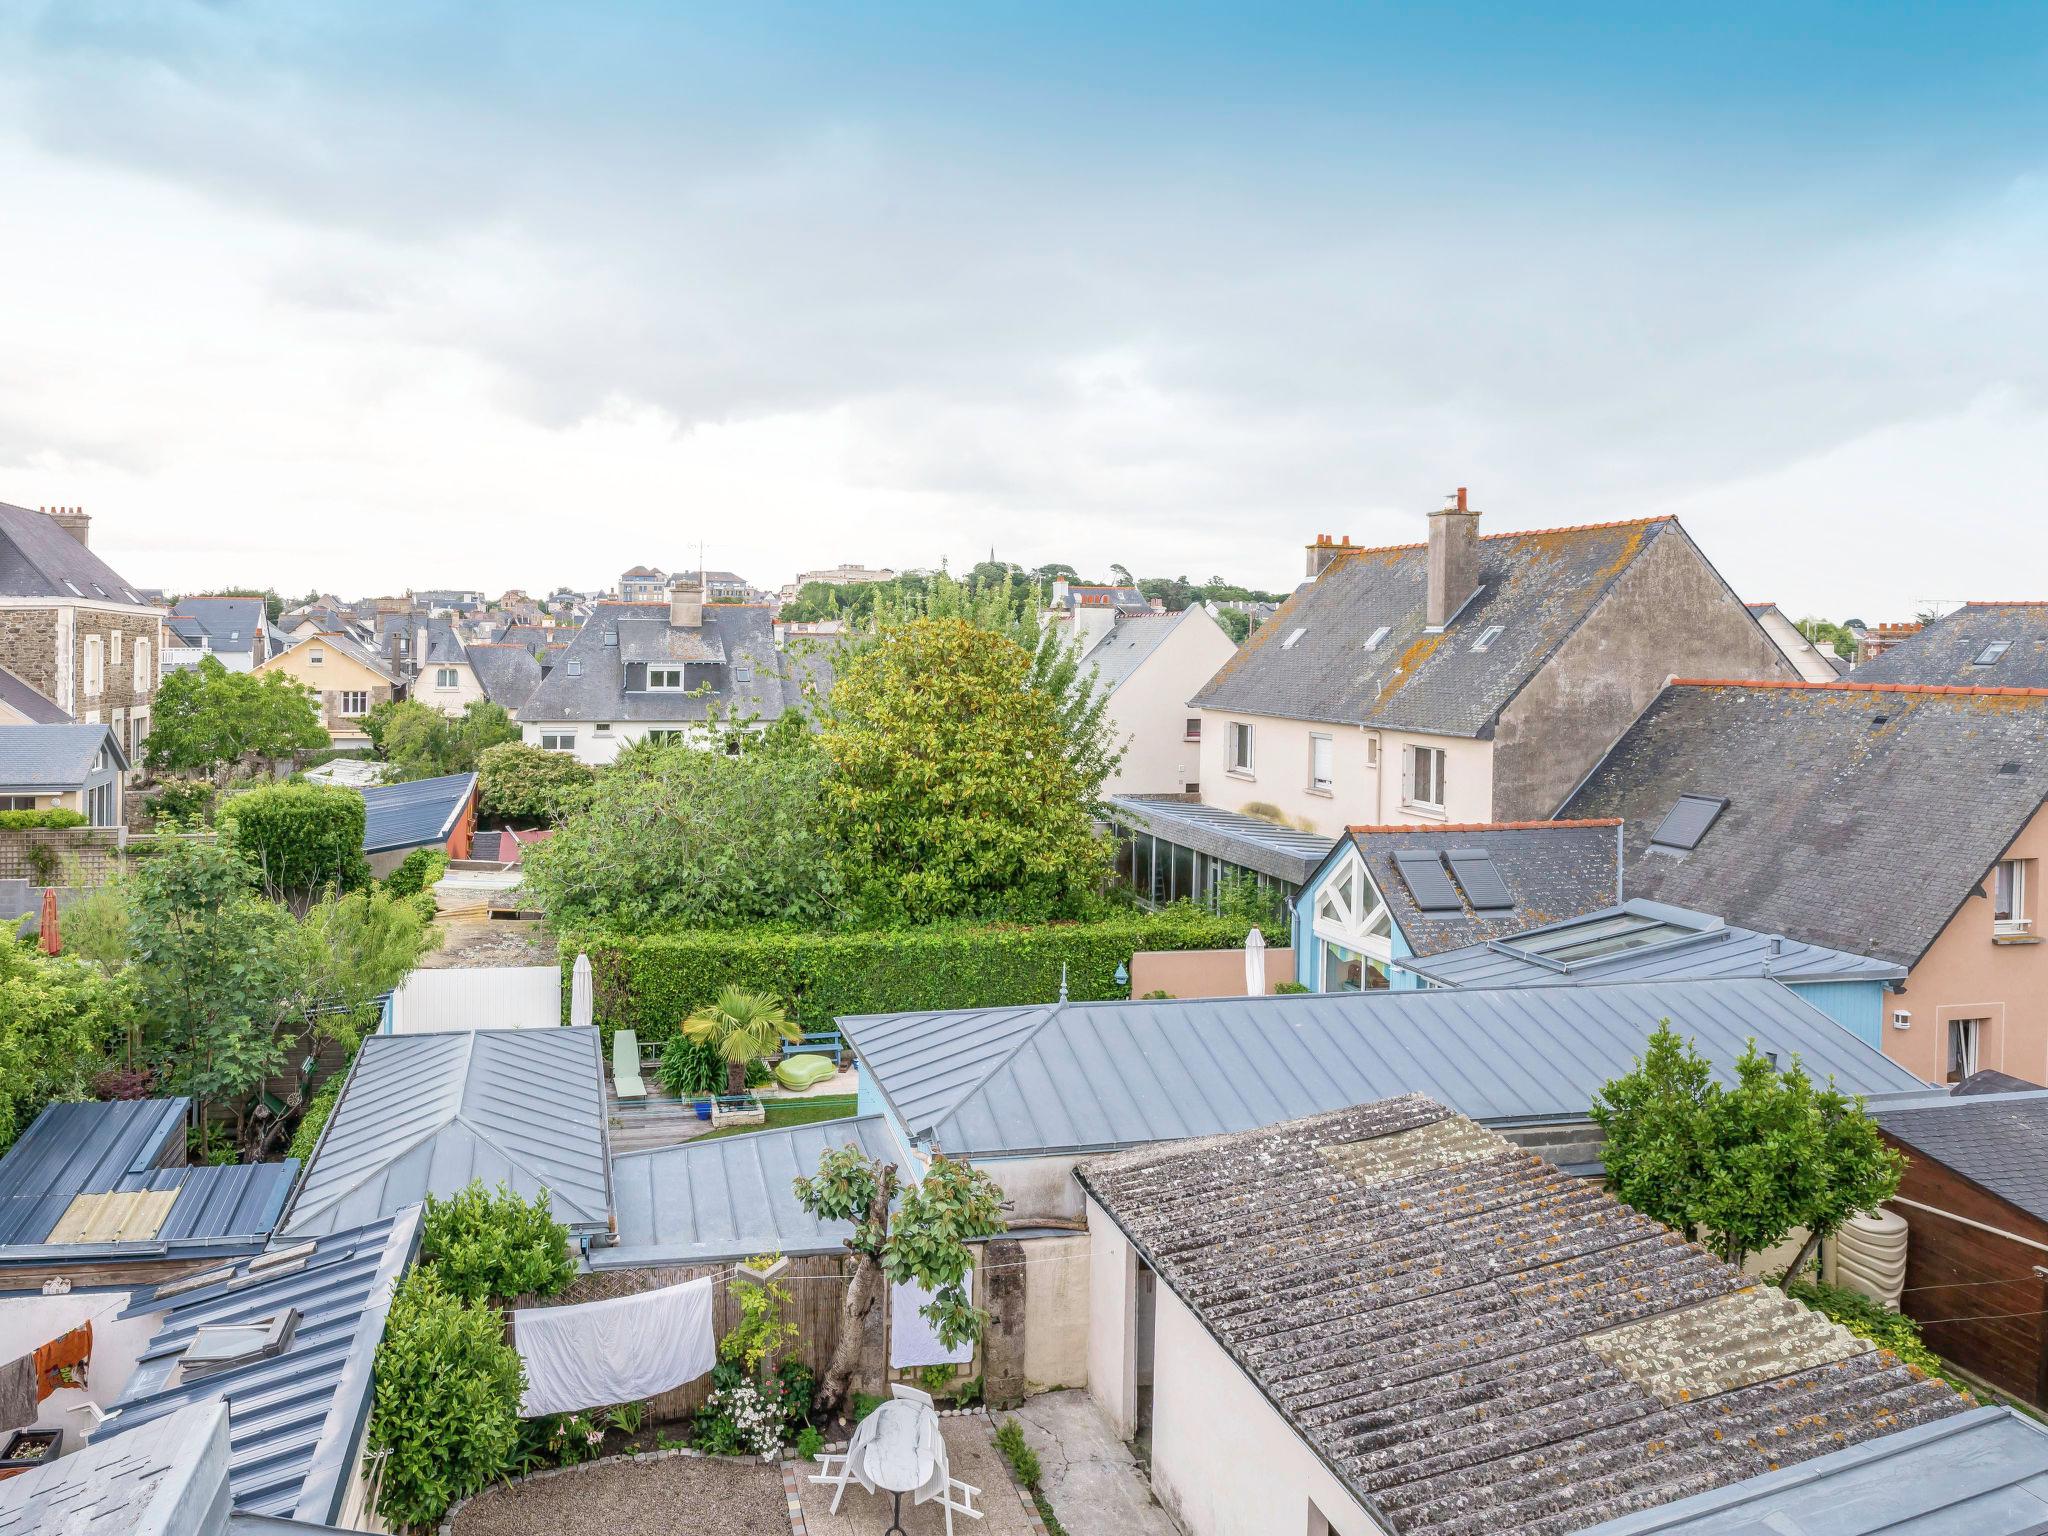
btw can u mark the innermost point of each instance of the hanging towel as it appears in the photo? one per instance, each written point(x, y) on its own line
point(616, 1351)
point(18, 1393)
point(912, 1340)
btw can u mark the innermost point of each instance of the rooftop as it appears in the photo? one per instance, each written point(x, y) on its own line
point(160, 1481)
point(587, 681)
point(49, 759)
point(1251, 841)
point(1129, 643)
point(1998, 1141)
point(38, 558)
point(1473, 1341)
point(2005, 644)
point(420, 813)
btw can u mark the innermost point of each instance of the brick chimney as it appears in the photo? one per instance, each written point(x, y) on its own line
point(686, 603)
point(1453, 560)
point(73, 520)
point(1323, 552)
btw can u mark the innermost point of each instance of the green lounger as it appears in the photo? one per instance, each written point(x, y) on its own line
point(626, 1066)
point(798, 1073)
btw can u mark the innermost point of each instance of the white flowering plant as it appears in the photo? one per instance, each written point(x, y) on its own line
point(740, 1417)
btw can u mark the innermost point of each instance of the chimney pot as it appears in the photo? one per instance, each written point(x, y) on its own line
point(73, 521)
point(1322, 553)
point(1453, 560)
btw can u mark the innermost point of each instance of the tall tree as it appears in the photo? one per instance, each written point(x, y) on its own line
point(524, 784)
point(743, 1027)
point(210, 720)
point(422, 743)
point(298, 839)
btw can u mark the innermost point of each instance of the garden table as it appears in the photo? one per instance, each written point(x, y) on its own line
point(898, 1454)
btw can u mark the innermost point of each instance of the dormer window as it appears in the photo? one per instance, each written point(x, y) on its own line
point(217, 1347)
point(665, 679)
point(1990, 654)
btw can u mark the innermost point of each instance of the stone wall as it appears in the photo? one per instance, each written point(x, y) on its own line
point(28, 647)
point(336, 722)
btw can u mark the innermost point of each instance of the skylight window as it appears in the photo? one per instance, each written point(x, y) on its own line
point(1427, 882)
point(1372, 641)
point(611, 637)
point(1487, 636)
point(219, 1347)
point(1484, 887)
point(575, 668)
point(1687, 822)
point(1990, 654)
point(1288, 643)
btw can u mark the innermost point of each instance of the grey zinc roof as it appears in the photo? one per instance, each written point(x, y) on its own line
point(1998, 1141)
point(731, 1198)
point(430, 1114)
point(1860, 816)
point(166, 1479)
point(587, 680)
point(1710, 948)
point(1127, 646)
point(48, 758)
point(1537, 586)
point(1946, 651)
point(75, 1148)
point(228, 625)
point(1473, 1341)
point(1078, 1076)
point(420, 813)
point(25, 700)
point(1551, 869)
point(39, 559)
point(1274, 850)
point(296, 1419)
point(1980, 1473)
point(506, 672)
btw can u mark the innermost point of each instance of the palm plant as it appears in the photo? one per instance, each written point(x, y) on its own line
point(741, 1026)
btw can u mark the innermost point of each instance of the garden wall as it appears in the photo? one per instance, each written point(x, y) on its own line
point(649, 982)
point(1205, 972)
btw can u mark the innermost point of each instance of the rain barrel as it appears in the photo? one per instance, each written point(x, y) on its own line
point(1868, 1255)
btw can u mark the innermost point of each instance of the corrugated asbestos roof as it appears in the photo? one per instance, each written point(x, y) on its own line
point(1711, 949)
point(1946, 651)
point(1265, 846)
point(1092, 1075)
point(1858, 817)
point(127, 1485)
point(1551, 870)
point(418, 814)
point(1980, 1473)
point(1130, 641)
point(297, 1418)
point(1998, 1141)
point(1476, 1342)
point(39, 559)
point(1538, 587)
point(53, 758)
point(430, 1114)
point(731, 1198)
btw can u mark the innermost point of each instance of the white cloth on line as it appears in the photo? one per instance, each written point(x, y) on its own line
point(614, 1351)
point(912, 1339)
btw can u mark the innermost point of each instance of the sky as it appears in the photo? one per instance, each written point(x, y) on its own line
point(368, 296)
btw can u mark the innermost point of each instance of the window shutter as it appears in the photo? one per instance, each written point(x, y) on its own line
point(1408, 772)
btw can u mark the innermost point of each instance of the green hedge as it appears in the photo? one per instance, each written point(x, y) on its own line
point(54, 817)
point(650, 982)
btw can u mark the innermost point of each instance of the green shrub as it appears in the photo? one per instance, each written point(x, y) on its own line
point(809, 1443)
point(182, 802)
point(689, 1070)
point(1872, 1320)
point(527, 785)
point(1022, 1459)
point(55, 816)
point(493, 1245)
point(447, 1401)
point(865, 1403)
point(299, 839)
point(314, 1120)
point(649, 983)
point(1287, 988)
point(417, 872)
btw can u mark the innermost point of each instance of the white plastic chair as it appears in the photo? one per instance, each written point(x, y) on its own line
point(912, 1395)
point(846, 1462)
point(951, 1495)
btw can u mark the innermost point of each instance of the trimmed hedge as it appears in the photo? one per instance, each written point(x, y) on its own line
point(55, 816)
point(649, 983)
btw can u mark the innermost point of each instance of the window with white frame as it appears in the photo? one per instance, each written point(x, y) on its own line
point(95, 666)
point(17, 802)
point(558, 741)
point(355, 702)
point(2009, 897)
point(1241, 748)
point(142, 677)
point(1192, 731)
point(1965, 1047)
point(668, 736)
point(1353, 931)
point(1322, 763)
point(444, 677)
point(665, 679)
point(1425, 778)
point(315, 657)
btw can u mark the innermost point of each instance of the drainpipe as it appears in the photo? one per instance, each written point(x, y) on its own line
point(1619, 849)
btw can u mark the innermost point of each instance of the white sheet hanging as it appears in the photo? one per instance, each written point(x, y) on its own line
point(912, 1340)
point(615, 1351)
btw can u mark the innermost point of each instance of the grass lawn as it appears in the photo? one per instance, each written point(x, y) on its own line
point(790, 1112)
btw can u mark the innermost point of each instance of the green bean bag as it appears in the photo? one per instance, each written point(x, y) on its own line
point(798, 1073)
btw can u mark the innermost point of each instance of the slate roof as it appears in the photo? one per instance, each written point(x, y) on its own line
point(1251, 841)
point(128, 1485)
point(506, 671)
point(30, 702)
point(1473, 1341)
point(429, 1114)
point(420, 813)
point(296, 1419)
point(228, 625)
point(444, 646)
point(1128, 645)
point(1998, 1141)
point(39, 559)
point(1946, 651)
point(1984, 1080)
point(1706, 947)
point(1551, 869)
point(1538, 586)
point(1979, 1473)
point(52, 758)
point(1860, 816)
point(731, 1198)
point(1126, 600)
point(587, 681)
point(351, 647)
point(1084, 1076)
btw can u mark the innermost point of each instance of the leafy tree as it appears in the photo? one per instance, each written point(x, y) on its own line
point(957, 790)
point(420, 870)
point(525, 785)
point(298, 839)
point(95, 926)
point(742, 1027)
point(1741, 1166)
point(1235, 622)
point(492, 1245)
point(208, 972)
point(677, 834)
point(209, 720)
point(60, 1022)
point(447, 1401)
point(422, 743)
point(925, 1244)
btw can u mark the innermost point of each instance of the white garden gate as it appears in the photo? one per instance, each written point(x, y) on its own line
point(480, 997)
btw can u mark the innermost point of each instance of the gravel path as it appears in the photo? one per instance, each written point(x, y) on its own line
point(624, 1496)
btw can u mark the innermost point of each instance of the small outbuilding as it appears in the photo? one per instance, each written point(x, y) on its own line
point(422, 813)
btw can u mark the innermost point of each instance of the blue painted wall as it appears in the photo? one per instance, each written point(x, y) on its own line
point(1307, 955)
point(1858, 1006)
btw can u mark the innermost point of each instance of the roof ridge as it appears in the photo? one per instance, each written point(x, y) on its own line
point(1508, 533)
point(1051, 1010)
point(1846, 686)
point(1487, 826)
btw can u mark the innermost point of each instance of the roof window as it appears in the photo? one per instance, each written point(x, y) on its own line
point(1372, 641)
point(1687, 822)
point(1288, 643)
point(575, 667)
point(1484, 887)
point(1487, 636)
point(1427, 882)
point(611, 637)
point(1990, 654)
point(217, 1347)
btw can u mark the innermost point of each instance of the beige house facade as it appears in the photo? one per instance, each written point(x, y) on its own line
point(1150, 665)
point(346, 681)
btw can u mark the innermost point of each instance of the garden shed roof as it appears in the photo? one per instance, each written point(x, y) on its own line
point(297, 1416)
point(419, 814)
point(1998, 1141)
point(1495, 1344)
point(430, 1114)
point(1086, 1076)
